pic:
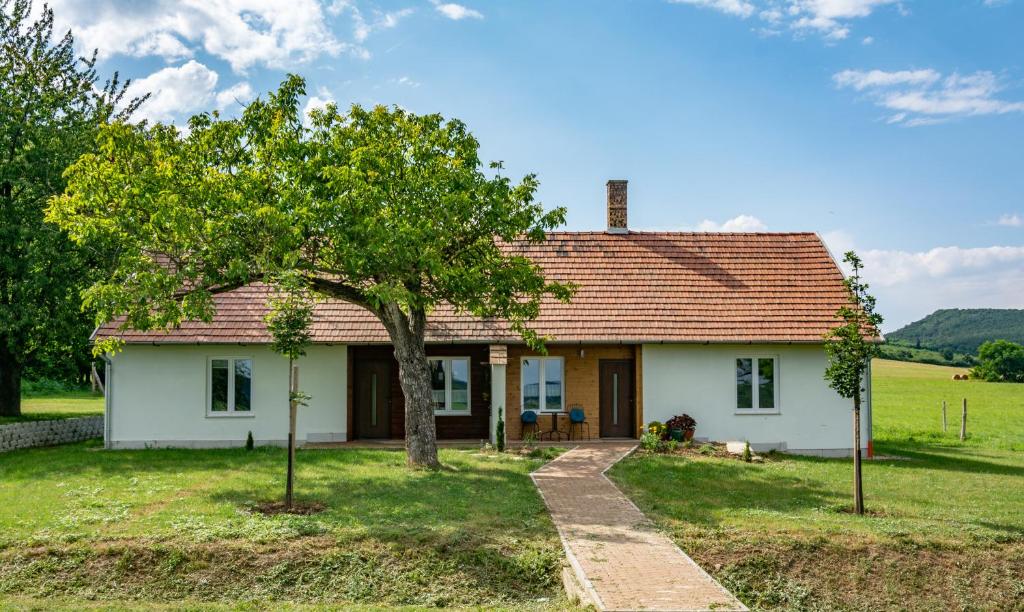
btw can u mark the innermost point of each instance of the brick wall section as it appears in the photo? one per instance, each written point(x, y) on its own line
point(580, 387)
point(48, 433)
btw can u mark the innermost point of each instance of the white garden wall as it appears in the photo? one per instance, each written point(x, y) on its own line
point(700, 380)
point(158, 397)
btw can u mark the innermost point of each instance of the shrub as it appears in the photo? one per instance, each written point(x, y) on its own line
point(499, 433)
point(650, 441)
point(682, 421)
point(249, 442)
point(747, 456)
point(707, 449)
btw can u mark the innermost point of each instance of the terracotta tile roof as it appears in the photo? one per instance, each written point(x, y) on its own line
point(640, 286)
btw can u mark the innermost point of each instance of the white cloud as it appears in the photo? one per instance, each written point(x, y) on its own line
point(741, 223)
point(320, 100)
point(405, 82)
point(740, 8)
point(860, 79)
point(911, 284)
point(244, 33)
point(829, 18)
point(867, 40)
point(925, 97)
point(1013, 220)
point(456, 11)
point(175, 91)
point(239, 93)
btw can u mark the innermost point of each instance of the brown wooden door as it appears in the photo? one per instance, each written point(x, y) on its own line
point(373, 399)
point(617, 405)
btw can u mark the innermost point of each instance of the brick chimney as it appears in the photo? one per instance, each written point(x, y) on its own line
point(617, 207)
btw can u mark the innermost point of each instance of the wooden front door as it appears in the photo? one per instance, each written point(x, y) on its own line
point(617, 402)
point(373, 399)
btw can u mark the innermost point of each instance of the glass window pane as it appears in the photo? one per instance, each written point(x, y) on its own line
point(219, 385)
point(243, 385)
point(552, 384)
point(744, 384)
point(531, 384)
point(766, 383)
point(460, 384)
point(437, 383)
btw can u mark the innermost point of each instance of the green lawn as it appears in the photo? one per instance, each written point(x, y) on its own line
point(60, 405)
point(946, 529)
point(178, 526)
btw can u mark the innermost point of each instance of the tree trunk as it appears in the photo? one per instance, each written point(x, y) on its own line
point(293, 387)
point(407, 333)
point(858, 489)
point(10, 384)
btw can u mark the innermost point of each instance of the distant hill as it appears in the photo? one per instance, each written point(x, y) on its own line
point(961, 330)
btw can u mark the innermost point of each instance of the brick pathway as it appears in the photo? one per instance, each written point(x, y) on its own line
point(620, 561)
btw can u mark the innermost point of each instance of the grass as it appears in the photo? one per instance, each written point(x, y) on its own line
point(908, 407)
point(62, 404)
point(945, 530)
point(154, 527)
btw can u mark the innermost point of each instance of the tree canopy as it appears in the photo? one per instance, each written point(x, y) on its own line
point(50, 110)
point(386, 209)
point(1000, 361)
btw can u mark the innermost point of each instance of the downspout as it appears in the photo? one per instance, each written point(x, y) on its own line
point(108, 402)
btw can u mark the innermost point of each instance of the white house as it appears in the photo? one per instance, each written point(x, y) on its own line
point(726, 328)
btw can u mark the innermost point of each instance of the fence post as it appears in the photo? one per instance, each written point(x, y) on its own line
point(944, 428)
point(963, 422)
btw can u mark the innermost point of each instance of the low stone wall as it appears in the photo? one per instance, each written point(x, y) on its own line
point(48, 433)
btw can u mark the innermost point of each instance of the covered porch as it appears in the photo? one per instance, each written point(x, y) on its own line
point(474, 383)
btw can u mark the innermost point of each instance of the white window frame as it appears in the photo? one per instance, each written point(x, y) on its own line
point(230, 412)
point(541, 384)
point(447, 411)
point(754, 390)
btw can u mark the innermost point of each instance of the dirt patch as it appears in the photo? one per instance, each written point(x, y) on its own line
point(272, 508)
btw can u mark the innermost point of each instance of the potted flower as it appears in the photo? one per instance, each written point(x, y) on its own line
point(681, 427)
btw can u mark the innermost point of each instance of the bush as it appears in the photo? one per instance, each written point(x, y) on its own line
point(682, 421)
point(650, 441)
point(48, 386)
point(499, 433)
point(707, 449)
point(747, 456)
point(249, 442)
point(1000, 361)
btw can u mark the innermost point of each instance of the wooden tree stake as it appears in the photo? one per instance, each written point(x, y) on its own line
point(944, 428)
point(963, 422)
point(292, 409)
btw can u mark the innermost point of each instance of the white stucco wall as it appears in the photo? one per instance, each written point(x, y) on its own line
point(158, 397)
point(700, 380)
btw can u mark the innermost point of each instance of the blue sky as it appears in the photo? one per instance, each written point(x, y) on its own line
point(895, 128)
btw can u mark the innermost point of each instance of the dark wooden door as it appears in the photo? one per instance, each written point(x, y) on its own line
point(373, 399)
point(617, 402)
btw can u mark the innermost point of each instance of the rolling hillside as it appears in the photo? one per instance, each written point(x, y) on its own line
point(961, 331)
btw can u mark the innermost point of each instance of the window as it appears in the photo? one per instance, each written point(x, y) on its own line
point(230, 386)
point(449, 382)
point(757, 384)
point(542, 384)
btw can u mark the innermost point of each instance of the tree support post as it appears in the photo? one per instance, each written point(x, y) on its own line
point(293, 389)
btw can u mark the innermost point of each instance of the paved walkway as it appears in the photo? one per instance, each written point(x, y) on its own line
point(620, 560)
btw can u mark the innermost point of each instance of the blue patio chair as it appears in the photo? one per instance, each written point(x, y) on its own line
point(577, 421)
point(529, 419)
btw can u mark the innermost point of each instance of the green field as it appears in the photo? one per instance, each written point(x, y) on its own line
point(908, 407)
point(61, 405)
point(945, 528)
point(179, 526)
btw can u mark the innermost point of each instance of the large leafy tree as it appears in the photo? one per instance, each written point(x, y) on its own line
point(850, 347)
point(389, 210)
point(1000, 361)
point(50, 111)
